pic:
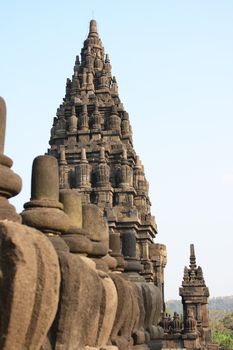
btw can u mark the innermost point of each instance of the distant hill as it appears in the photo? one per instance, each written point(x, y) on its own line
point(174, 305)
point(224, 304)
point(221, 303)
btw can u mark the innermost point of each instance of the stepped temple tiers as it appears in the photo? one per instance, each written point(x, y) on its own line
point(81, 268)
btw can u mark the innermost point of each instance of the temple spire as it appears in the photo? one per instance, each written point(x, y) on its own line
point(93, 29)
point(107, 176)
point(192, 258)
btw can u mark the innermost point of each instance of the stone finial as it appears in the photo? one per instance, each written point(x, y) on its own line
point(125, 130)
point(89, 60)
point(126, 172)
point(107, 60)
point(165, 323)
point(62, 160)
point(114, 86)
point(60, 125)
point(83, 156)
point(125, 114)
point(186, 276)
point(103, 80)
point(73, 111)
point(114, 120)
point(200, 274)
point(192, 264)
point(176, 324)
point(124, 154)
point(77, 61)
point(84, 109)
point(107, 65)
point(138, 163)
point(10, 183)
point(82, 171)
point(84, 79)
point(96, 125)
point(63, 170)
point(84, 118)
point(190, 323)
point(96, 110)
point(102, 155)
point(90, 84)
point(114, 109)
point(68, 89)
point(93, 29)
point(98, 64)
point(102, 170)
point(73, 122)
point(53, 129)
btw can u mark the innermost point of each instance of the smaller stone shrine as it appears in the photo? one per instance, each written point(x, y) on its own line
point(194, 294)
point(192, 331)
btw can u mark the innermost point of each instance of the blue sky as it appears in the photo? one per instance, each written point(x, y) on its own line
point(173, 61)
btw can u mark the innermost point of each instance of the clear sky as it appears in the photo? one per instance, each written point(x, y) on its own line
point(173, 60)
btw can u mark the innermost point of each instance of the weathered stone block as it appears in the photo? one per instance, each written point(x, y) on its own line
point(94, 222)
point(72, 203)
point(30, 280)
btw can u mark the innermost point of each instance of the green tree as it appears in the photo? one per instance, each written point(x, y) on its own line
point(223, 331)
point(228, 322)
point(223, 338)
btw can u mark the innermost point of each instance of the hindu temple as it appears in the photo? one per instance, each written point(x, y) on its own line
point(81, 268)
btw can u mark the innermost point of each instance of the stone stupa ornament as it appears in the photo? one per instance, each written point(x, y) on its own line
point(29, 269)
point(10, 183)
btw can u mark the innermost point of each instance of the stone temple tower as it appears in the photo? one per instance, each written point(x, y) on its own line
point(91, 137)
point(194, 294)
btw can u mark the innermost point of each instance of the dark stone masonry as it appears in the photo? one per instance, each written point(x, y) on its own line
point(80, 267)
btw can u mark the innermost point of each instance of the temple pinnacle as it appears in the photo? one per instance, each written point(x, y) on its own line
point(192, 257)
point(93, 28)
